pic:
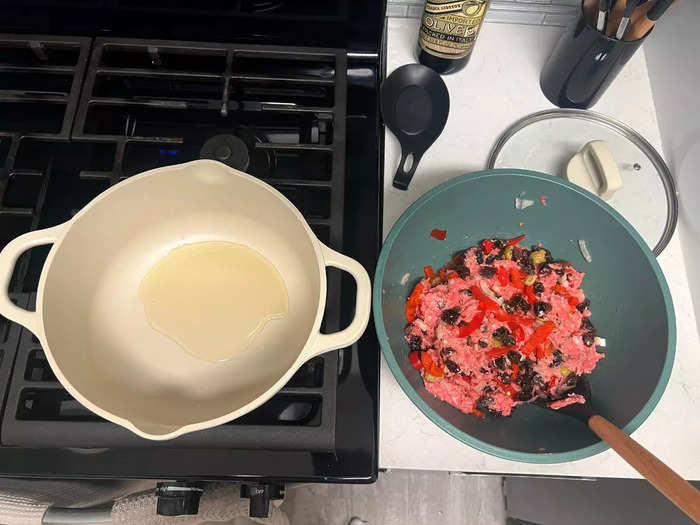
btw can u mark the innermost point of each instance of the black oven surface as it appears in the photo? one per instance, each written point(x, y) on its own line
point(81, 114)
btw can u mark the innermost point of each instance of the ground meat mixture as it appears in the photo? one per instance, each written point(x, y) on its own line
point(501, 325)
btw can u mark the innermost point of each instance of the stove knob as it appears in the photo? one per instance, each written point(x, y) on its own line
point(178, 498)
point(260, 496)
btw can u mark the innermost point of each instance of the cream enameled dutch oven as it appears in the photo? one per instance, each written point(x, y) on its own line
point(92, 325)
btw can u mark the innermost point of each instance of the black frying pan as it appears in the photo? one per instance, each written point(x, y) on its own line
point(415, 104)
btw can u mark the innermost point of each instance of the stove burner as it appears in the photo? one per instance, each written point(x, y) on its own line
point(228, 149)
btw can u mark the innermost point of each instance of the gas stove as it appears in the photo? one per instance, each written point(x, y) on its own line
point(89, 105)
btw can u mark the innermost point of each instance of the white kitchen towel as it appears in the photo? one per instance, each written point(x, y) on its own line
point(220, 503)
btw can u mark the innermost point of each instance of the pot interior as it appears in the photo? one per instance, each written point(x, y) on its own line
point(95, 326)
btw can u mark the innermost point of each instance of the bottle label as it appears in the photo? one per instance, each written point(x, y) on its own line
point(449, 27)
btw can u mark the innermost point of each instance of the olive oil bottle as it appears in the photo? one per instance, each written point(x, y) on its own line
point(448, 31)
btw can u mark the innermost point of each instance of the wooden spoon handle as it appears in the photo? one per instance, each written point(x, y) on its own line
point(666, 481)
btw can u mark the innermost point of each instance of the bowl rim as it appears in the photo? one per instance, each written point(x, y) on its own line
point(527, 457)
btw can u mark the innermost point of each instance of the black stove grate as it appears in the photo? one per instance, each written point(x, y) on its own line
point(278, 113)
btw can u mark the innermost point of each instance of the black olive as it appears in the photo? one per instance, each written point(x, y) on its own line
point(588, 326)
point(500, 332)
point(538, 288)
point(544, 269)
point(483, 371)
point(451, 315)
point(487, 388)
point(490, 259)
point(527, 266)
point(588, 338)
point(447, 351)
point(499, 243)
point(539, 381)
point(452, 366)
point(548, 256)
point(483, 403)
point(542, 308)
point(504, 378)
point(500, 363)
point(487, 271)
point(559, 271)
point(462, 271)
point(526, 393)
point(469, 340)
point(483, 344)
point(479, 256)
point(466, 292)
point(522, 303)
point(415, 343)
point(558, 359)
point(583, 305)
point(514, 356)
point(508, 307)
point(571, 379)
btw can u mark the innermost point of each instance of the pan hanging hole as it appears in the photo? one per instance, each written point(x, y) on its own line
point(408, 163)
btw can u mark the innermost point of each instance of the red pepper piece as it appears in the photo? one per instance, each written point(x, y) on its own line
point(530, 296)
point(539, 352)
point(488, 304)
point(452, 275)
point(487, 246)
point(462, 379)
point(515, 240)
point(440, 235)
point(430, 366)
point(436, 371)
point(443, 274)
point(413, 302)
point(485, 302)
point(517, 331)
point(507, 389)
point(472, 325)
point(516, 279)
point(552, 384)
point(515, 372)
point(503, 317)
point(478, 413)
point(548, 348)
point(502, 275)
point(411, 312)
point(573, 302)
point(538, 337)
point(414, 358)
point(498, 352)
point(429, 272)
point(561, 290)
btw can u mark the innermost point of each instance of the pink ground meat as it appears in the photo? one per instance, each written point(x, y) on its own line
point(492, 369)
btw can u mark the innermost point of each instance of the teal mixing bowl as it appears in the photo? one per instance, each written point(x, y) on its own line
point(630, 304)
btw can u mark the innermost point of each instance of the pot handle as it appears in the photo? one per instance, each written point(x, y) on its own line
point(347, 336)
point(8, 257)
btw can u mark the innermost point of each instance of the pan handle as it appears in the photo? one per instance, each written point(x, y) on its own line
point(8, 257)
point(403, 177)
point(347, 336)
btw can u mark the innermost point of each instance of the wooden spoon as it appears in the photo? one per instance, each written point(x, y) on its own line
point(675, 488)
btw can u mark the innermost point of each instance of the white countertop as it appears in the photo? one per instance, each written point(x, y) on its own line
point(499, 86)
